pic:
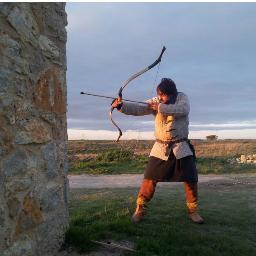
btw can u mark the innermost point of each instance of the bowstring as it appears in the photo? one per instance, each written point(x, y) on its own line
point(156, 76)
point(134, 148)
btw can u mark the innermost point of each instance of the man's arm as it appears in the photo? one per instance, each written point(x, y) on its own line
point(132, 108)
point(179, 108)
point(135, 109)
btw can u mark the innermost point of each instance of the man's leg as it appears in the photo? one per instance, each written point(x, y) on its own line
point(192, 200)
point(147, 190)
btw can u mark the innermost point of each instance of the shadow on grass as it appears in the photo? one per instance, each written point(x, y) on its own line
point(229, 212)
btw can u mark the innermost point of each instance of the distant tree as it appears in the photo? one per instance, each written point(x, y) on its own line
point(211, 137)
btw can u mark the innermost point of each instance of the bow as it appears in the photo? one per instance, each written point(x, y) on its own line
point(127, 82)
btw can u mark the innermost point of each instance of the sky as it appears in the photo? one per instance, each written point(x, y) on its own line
point(210, 55)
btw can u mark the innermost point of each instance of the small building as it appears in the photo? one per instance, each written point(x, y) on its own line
point(211, 137)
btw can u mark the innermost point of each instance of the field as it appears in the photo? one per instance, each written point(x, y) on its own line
point(108, 157)
point(228, 208)
point(227, 205)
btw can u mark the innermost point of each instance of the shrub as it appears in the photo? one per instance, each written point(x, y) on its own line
point(115, 155)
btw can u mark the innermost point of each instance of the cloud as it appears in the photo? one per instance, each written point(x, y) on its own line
point(75, 134)
point(210, 55)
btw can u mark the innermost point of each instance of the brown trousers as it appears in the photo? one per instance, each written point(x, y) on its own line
point(147, 190)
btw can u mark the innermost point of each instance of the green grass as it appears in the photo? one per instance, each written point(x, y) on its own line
point(113, 161)
point(93, 167)
point(116, 161)
point(222, 165)
point(229, 211)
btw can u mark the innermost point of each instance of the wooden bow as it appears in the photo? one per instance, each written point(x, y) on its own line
point(127, 82)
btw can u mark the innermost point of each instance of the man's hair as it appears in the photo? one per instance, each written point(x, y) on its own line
point(168, 87)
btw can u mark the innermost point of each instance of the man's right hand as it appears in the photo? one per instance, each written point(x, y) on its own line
point(117, 103)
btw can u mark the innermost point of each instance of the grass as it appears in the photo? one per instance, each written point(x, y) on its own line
point(228, 208)
point(222, 165)
point(120, 161)
point(113, 161)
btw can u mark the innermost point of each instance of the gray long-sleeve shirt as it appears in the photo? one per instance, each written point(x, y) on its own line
point(171, 123)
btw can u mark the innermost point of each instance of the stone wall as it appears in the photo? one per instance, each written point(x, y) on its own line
point(33, 132)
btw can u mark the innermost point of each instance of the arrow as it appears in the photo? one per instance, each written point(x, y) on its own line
point(108, 97)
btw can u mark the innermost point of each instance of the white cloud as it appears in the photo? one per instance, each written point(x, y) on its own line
point(74, 134)
point(242, 124)
point(107, 42)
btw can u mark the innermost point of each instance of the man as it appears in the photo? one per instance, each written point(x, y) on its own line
point(172, 157)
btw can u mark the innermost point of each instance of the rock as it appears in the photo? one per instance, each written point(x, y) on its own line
point(5, 80)
point(5, 9)
point(20, 184)
point(29, 217)
point(20, 248)
point(249, 157)
point(49, 49)
point(51, 198)
point(6, 138)
point(243, 158)
point(2, 219)
point(33, 131)
point(23, 23)
point(14, 206)
point(16, 164)
point(49, 94)
point(50, 155)
point(11, 47)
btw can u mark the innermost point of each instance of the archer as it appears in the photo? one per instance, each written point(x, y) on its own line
point(172, 157)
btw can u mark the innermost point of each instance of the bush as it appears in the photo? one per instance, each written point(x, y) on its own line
point(115, 155)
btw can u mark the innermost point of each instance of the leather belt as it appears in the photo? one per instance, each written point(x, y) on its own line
point(171, 142)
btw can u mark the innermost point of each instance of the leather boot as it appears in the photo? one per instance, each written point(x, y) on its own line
point(147, 190)
point(191, 200)
point(196, 218)
point(140, 211)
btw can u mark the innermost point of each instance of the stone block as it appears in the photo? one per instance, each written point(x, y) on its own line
point(50, 50)
point(14, 205)
point(243, 158)
point(30, 216)
point(51, 199)
point(16, 164)
point(6, 138)
point(22, 247)
point(18, 184)
point(49, 153)
point(49, 94)
point(22, 21)
point(2, 216)
point(33, 131)
point(5, 80)
point(9, 47)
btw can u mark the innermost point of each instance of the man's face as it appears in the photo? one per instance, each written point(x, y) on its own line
point(163, 98)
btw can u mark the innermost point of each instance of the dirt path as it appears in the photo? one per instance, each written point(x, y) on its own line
point(133, 180)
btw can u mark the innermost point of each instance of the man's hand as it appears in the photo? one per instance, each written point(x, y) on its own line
point(117, 103)
point(153, 105)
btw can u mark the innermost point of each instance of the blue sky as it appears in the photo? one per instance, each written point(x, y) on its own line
point(210, 55)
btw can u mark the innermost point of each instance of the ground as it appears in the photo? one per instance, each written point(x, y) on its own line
point(227, 203)
point(134, 180)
